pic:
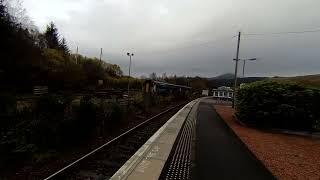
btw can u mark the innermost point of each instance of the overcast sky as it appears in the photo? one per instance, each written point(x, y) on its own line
point(189, 37)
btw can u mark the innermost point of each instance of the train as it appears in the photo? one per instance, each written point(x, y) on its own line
point(162, 88)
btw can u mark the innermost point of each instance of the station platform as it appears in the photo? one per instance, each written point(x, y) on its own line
point(220, 154)
point(194, 144)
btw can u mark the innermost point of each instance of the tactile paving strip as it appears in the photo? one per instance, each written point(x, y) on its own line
point(179, 163)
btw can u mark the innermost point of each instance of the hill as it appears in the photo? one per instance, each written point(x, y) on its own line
point(308, 80)
point(226, 80)
point(217, 82)
point(223, 76)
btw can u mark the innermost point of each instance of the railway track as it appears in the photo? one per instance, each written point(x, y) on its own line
point(104, 161)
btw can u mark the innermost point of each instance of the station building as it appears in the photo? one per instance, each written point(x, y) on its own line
point(223, 93)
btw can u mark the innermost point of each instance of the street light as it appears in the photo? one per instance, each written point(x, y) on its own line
point(130, 55)
point(236, 69)
point(244, 63)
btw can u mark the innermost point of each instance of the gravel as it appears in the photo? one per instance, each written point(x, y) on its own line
point(286, 156)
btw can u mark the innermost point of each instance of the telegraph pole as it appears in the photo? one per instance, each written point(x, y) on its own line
point(244, 65)
point(236, 71)
point(100, 54)
point(77, 56)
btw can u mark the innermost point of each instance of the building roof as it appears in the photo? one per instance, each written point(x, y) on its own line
point(224, 88)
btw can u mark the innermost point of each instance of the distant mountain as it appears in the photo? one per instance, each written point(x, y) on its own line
point(223, 76)
point(227, 80)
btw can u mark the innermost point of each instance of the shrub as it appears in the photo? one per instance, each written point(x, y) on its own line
point(109, 113)
point(7, 104)
point(56, 122)
point(279, 105)
point(33, 131)
point(139, 102)
point(48, 121)
point(116, 112)
point(85, 120)
point(7, 111)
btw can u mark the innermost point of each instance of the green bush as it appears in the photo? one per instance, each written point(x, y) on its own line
point(7, 111)
point(139, 102)
point(85, 119)
point(55, 122)
point(110, 113)
point(7, 103)
point(34, 131)
point(48, 120)
point(116, 112)
point(279, 105)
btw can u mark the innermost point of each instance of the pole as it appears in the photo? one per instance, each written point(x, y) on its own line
point(244, 65)
point(77, 56)
point(236, 71)
point(129, 78)
point(100, 54)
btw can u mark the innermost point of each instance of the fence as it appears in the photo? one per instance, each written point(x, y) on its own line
point(40, 90)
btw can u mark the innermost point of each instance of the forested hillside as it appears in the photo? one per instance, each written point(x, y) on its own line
point(217, 82)
point(308, 80)
point(29, 57)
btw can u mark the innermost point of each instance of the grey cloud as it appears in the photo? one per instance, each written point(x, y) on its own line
point(158, 32)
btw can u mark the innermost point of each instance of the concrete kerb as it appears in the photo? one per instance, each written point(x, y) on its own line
point(148, 161)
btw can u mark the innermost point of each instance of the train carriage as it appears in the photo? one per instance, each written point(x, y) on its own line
point(163, 88)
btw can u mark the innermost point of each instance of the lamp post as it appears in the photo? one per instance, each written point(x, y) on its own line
point(130, 55)
point(244, 63)
point(243, 68)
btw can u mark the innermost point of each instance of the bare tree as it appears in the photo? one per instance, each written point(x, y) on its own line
point(19, 14)
point(164, 76)
point(153, 76)
point(143, 77)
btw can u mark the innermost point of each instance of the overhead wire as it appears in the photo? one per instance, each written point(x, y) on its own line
point(280, 33)
point(244, 34)
point(190, 46)
point(212, 42)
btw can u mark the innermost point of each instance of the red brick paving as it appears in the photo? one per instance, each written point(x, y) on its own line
point(287, 156)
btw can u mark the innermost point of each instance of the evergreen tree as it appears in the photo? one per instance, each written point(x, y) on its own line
point(19, 54)
point(63, 46)
point(52, 36)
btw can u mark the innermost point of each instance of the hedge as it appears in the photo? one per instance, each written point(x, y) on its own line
point(271, 104)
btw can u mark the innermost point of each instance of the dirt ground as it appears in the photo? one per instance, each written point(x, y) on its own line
point(286, 156)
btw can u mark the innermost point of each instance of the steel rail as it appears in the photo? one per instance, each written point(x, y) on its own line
point(110, 142)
